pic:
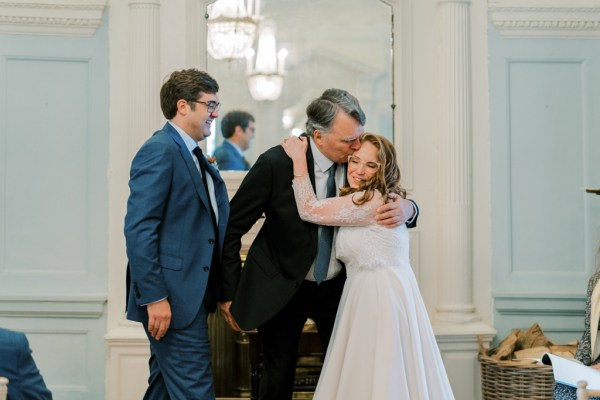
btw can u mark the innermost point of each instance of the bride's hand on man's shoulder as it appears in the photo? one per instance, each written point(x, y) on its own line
point(295, 146)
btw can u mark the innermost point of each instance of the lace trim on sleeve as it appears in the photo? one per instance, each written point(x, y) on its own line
point(337, 211)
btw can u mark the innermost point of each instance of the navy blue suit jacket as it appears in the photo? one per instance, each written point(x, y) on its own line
point(169, 231)
point(230, 159)
point(17, 364)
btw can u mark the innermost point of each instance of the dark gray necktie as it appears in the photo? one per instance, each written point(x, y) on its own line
point(202, 162)
point(326, 237)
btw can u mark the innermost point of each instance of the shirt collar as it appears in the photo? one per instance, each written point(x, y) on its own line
point(190, 143)
point(235, 146)
point(321, 161)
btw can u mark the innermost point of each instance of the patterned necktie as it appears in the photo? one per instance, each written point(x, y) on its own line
point(202, 162)
point(326, 237)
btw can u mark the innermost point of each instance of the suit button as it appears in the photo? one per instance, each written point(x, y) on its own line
point(206, 269)
point(211, 241)
point(296, 285)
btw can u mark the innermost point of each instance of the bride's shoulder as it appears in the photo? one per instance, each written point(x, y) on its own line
point(378, 196)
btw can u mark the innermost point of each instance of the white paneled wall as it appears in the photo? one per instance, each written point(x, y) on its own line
point(53, 191)
point(544, 140)
point(495, 118)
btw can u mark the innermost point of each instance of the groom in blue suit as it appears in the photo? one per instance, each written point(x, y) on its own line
point(177, 213)
point(17, 364)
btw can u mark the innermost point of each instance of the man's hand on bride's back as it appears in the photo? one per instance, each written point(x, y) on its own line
point(395, 212)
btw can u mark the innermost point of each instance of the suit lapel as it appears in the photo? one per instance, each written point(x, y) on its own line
point(310, 163)
point(220, 192)
point(195, 176)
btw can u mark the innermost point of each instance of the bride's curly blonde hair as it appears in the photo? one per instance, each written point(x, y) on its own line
point(387, 178)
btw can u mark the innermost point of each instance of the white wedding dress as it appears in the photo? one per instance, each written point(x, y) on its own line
point(382, 346)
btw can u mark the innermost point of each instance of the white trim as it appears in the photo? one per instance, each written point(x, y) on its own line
point(557, 18)
point(91, 306)
point(555, 305)
point(51, 17)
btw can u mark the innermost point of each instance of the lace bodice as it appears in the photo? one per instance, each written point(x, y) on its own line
point(361, 243)
point(371, 247)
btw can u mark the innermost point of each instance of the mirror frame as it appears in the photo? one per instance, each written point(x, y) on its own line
point(402, 81)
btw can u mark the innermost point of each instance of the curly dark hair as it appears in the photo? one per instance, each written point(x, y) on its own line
point(187, 84)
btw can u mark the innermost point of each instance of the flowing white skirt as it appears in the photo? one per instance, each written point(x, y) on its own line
point(383, 346)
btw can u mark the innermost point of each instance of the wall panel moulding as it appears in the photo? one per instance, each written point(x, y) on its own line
point(51, 17)
point(546, 18)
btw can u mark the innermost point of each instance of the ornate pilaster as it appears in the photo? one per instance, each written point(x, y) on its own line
point(455, 301)
point(196, 31)
point(135, 114)
point(144, 80)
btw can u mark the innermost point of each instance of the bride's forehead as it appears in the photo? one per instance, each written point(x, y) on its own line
point(367, 152)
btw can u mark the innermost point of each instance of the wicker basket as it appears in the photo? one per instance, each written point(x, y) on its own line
point(503, 380)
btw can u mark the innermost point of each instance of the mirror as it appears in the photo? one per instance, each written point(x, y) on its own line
point(330, 43)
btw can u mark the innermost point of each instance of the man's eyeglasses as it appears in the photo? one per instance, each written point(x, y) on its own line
point(211, 106)
point(370, 166)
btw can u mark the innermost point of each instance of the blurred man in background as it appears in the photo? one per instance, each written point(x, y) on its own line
point(238, 130)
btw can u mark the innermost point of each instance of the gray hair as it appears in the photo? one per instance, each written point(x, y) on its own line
point(322, 111)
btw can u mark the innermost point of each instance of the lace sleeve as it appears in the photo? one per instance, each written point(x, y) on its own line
point(336, 211)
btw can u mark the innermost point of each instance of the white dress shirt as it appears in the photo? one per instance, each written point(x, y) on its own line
point(322, 164)
point(191, 144)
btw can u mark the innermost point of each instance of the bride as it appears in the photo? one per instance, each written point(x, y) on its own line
point(382, 346)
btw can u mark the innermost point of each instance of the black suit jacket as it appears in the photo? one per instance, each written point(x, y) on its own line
point(284, 249)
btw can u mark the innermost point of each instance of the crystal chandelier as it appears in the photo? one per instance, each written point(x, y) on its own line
point(231, 28)
point(265, 80)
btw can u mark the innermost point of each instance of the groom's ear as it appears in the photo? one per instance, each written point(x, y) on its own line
point(183, 107)
point(318, 137)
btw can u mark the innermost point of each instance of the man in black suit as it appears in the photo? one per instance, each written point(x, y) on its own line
point(276, 292)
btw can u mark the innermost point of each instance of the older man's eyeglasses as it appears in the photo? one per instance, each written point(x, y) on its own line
point(211, 106)
point(370, 166)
